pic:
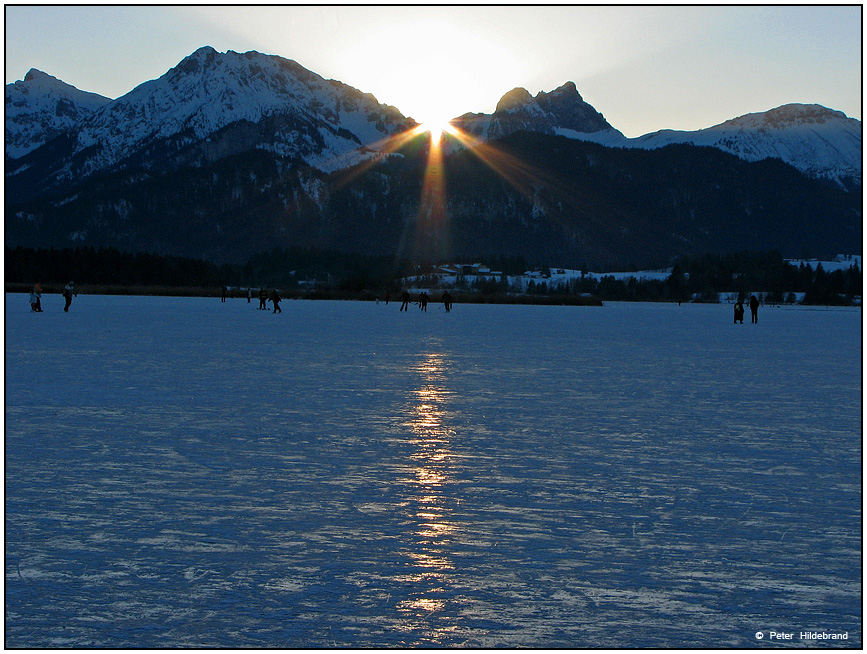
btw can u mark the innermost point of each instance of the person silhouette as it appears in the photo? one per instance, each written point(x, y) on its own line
point(447, 301)
point(37, 293)
point(739, 312)
point(754, 308)
point(405, 299)
point(275, 298)
point(68, 292)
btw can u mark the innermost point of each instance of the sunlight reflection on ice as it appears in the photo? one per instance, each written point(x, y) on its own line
point(431, 502)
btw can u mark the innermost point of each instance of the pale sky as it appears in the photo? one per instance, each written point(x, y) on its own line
point(645, 68)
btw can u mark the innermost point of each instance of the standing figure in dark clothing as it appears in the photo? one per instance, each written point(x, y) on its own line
point(422, 301)
point(223, 294)
point(263, 298)
point(405, 299)
point(447, 301)
point(754, 308)
point(37, 289)
point(275, 298)
point(68, 292)
point(739, 312)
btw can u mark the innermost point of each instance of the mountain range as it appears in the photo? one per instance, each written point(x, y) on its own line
point(228, 154)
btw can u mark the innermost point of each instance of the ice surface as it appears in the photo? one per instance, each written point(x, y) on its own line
point(186, 472)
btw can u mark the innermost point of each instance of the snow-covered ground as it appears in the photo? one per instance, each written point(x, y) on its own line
point(185, 472)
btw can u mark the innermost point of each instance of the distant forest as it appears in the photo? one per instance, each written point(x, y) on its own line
point(704, 277)
point(693, 277)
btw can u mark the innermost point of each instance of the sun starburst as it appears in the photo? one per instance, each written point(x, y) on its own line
point(436, 129)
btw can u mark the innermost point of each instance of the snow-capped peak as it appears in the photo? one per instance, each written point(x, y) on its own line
point(36, 82)
point(40, 107)
point(312, 118)
point(818, 141)
point(517, 99)
point(788, 115)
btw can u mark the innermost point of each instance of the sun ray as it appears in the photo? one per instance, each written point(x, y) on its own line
point(431, 222)
point(517, 173)
point(427, 234)
point(377, 151)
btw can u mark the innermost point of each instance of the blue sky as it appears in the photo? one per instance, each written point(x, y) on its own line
point(644, 67)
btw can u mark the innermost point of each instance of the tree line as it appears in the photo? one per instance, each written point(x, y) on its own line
point(283, 268)
point(701, 277)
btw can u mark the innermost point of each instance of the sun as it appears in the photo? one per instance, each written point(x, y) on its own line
point(436, 128)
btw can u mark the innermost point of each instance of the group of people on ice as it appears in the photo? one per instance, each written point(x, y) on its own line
point(36, 296)
point(423, 299)
point(264, 298)
point(275, 299)
point(754, 310)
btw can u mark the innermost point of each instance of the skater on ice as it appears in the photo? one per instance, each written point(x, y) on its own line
point(37, 290)
point(68, 292)
point(447, 301)
point(405, 299)
point(275, 298)
point(263, 298)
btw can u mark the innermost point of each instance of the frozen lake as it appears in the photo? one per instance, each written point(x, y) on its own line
point(188, 473)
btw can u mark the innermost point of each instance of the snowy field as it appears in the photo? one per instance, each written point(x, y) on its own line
point(188, 473)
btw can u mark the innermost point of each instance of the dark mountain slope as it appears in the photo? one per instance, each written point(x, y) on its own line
point(567, 203)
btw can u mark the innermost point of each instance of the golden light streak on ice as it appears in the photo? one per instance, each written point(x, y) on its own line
point(431, 505)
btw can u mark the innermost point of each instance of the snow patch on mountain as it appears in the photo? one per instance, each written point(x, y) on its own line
point(315, 189)
point(611, 138)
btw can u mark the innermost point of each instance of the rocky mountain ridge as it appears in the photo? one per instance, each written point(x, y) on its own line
point(230, 154)
point(820, 142)
point(546, 113)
